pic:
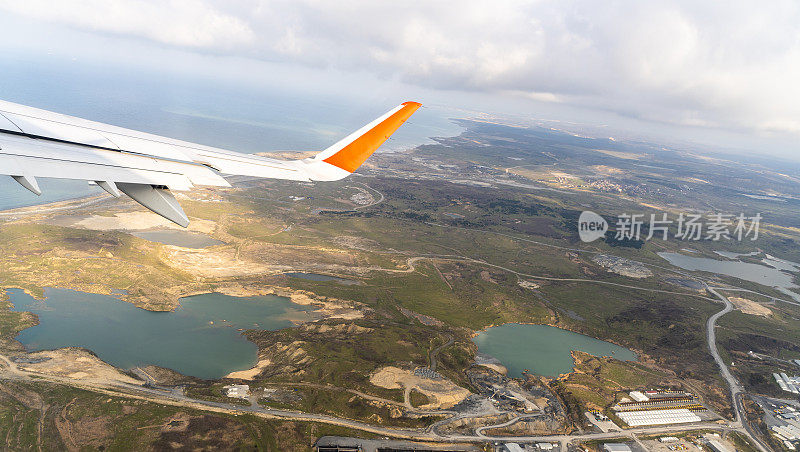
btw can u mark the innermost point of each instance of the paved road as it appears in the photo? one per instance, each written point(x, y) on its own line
point(711, 336)
point(12, 372)
point(737, 391)
point(435, 351)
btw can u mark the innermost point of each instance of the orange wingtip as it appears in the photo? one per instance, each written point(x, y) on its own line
point(355, 153)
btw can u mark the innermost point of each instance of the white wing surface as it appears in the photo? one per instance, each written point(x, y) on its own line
point(39, 143)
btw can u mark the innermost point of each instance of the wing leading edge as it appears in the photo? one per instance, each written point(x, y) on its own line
point(39, 143)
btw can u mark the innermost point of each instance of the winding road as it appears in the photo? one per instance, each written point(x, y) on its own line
point(711, 336)
point(737, 390)
point(12, 372)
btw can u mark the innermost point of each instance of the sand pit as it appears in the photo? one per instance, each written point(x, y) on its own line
point(499, 368)
point(442, 393)
point(252, 373)
point(137, 221)
point(213, 263)
point(74, 363)
point(750, 306)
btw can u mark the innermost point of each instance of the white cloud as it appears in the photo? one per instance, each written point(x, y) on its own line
point(189, 23)
point(728, 64)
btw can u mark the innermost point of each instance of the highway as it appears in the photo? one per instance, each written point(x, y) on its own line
point(737, 391)
point(10, 371)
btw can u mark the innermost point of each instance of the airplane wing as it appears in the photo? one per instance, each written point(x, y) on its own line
point(39, 143)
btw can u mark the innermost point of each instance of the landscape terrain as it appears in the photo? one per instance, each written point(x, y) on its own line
point(404, 264)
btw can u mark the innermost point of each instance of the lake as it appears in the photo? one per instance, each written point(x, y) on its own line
point(200, 338)
point(761, 274)
point(542, 349)
point(781, 264)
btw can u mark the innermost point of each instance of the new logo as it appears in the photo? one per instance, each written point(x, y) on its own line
point(591, 226)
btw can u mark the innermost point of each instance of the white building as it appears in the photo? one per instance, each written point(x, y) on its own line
point(513, 447)
point(616, 447)
point(658, 417)
point(237, 391)
point(787, 383)
point(638, 396)
point(717, 446)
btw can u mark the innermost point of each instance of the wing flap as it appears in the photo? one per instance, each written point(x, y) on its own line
point(26, 156)
point(251, 165)
point(59, 131)
point(159, 200)
point(7, 125)
point(42, 123)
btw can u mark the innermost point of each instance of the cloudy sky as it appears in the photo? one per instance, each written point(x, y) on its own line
point(704, 71)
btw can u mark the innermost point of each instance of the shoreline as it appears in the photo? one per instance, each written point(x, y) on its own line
point(640, 356)
point(53, 206)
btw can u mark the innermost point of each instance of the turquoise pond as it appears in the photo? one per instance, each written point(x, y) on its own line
point(542, 349)
point(200, 338)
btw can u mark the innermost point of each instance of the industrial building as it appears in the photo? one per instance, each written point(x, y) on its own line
point(616, 447)
point(658, 417)
point(657, 402)
point(787, 383)
point(717, 446)
point(659, 408)
point(351, 444)
point(788, 428)
point(787, 432)
point(237, 391)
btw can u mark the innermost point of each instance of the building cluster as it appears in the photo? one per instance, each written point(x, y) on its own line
point(237, 391)
point(659, 408)
point(599, 415)
point(788, 430)
point(708, 441)
point(717, 446)
point(674, 443)
point(362, 198)
point(516, 447)
point(658, 417)
point(616, 447)
point(787, 383)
